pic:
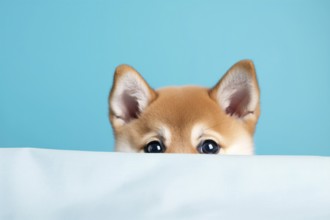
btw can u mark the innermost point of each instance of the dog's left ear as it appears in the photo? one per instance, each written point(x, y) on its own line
point(238, 92)
point(129, 96)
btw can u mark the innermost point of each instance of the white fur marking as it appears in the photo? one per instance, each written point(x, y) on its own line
point(163, 132)
point(123, 145)
point(166, 134)
point(196, 133)
point(243, 145)
point(200, 132)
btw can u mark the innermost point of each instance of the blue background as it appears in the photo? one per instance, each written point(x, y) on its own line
point(57, 59)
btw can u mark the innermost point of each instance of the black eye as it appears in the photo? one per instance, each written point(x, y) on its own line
point(154, 147)
point(208, 147)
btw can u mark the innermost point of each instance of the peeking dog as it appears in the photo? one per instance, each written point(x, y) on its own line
point(189, 119)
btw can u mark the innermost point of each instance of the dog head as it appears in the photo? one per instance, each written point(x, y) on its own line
point(190, 119)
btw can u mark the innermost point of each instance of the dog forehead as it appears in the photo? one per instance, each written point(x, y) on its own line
point(183, 96)
point(182, 106)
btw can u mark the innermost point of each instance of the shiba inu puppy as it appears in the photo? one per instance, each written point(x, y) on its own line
point(189, 119)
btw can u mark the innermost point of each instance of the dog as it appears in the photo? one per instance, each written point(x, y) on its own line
point(189, 119)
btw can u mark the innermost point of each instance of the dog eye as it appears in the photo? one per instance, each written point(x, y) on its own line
point(208, 147)
point(154, 147)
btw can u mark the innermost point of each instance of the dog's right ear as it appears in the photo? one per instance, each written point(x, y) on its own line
point(129, 96)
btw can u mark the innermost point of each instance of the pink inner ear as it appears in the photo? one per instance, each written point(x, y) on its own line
point(238, 103)
point(131, 106)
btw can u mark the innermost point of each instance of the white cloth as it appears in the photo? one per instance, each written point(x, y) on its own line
point(56, 184)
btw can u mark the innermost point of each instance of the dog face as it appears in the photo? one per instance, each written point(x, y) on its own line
point(190, 119)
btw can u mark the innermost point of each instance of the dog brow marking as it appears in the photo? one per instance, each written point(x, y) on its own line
point(165, 134)
point(196, 133)
point(200, 132)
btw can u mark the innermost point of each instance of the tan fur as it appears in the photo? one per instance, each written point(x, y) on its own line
point(180, 110)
